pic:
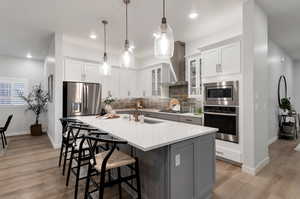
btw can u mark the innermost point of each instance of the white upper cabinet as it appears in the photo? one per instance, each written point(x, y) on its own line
point(127, 83)
point(224, 60)
point(194, 76)
point(230, 56)
point(80, 71)
point(210, 61)
point(73, 70)
point(92, 73)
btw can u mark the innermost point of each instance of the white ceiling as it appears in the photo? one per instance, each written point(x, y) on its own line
point(284, 28)
point(26, 26)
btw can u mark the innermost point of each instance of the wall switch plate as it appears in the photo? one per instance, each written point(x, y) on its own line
point(177, 160)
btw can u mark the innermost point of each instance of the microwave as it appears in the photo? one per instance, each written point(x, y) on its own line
point(222, 93)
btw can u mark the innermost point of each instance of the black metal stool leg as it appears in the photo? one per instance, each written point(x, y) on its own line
point(61, 153)
point(120, 184)
point(70, 166)
point(65, 159)
point(102, 181)
point(87, 185)
point(4, 138)
point(3, 144)
point(77, 176)
point(138, 180)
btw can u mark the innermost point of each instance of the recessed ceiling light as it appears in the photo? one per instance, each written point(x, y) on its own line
point(29, 56)
point(193, 15)
point(93, 36)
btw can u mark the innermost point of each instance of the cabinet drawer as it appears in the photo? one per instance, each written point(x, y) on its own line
point(124, 112)
point(162, 116)
point(191, 120)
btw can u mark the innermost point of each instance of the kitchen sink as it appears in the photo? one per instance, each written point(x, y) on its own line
point(149, 121)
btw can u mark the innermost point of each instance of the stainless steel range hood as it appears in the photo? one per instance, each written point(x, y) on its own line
point(179, 87)
point(177, 63)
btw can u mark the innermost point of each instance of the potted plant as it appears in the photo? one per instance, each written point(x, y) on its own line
point(285, 105)
point(37, 101)
point(109, 100)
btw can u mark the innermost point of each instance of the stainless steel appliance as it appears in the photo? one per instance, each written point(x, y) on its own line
point(222, 93)
point(221, 109)
point(80, 99)
point(226, 119)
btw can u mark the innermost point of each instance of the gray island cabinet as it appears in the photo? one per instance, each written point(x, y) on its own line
point(177, 160)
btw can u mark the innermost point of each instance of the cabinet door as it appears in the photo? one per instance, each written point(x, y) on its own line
point(230, 56)
point(132, 75)
point(158, 81)
point(114, 83)
point(153, 82)
point(92, 73)
point(210, 61)
point(124, 83)
point(73, 70)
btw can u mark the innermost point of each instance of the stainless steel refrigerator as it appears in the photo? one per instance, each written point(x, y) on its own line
point(81, 99)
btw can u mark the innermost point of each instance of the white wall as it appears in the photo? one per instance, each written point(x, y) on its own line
point(279, 64)
point(32, 71)
point(256, 84)
point(296, 82)
point(49, 69)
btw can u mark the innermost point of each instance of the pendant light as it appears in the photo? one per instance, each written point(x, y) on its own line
point(106, 67)
point(127, 56)
point(163, 38)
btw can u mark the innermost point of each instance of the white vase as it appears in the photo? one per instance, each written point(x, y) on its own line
point(108, 108)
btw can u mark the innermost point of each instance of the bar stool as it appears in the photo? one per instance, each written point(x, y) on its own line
point(3, 130)
point(68, 135)
point(80, 153)
point(106, 161)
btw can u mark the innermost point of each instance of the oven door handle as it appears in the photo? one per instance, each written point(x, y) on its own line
point(224, 114)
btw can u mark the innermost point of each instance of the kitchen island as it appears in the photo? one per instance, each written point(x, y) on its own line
point(177, 160)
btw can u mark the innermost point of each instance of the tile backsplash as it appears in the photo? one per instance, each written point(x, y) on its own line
point(152, 103)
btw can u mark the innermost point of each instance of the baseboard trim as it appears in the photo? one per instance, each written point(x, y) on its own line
point(272, 140)
point(258, 168)
point(54, 145)
point(17, 133)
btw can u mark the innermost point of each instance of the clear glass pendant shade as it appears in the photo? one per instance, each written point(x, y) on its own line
point(164, 42)
point(127, 58)
point(106, 69)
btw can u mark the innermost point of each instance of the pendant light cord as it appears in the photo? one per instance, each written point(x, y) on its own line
point(126, 20)
point(164, 8)
point(105, 38)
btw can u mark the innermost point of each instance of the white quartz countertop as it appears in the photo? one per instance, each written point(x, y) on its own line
point(145, 136)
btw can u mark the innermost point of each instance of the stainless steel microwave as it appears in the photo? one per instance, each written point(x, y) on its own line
point(222, 93)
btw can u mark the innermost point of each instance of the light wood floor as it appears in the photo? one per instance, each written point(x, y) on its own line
point(28, 170)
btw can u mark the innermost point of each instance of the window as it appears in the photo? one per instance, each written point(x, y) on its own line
point(11, 89)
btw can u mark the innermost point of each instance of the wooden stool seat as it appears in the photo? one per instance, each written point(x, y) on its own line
point(116, 160)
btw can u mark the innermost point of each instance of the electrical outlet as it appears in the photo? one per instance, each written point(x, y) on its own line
point(177, 160)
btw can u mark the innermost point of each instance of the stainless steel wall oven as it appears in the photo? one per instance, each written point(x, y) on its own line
point(226, 119)
point(221, 109)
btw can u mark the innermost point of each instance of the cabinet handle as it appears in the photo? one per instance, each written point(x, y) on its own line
point(219, 153)
point(188, 120)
